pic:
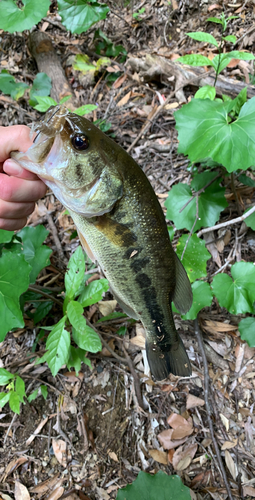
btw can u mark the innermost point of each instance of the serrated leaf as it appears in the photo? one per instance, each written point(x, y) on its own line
point(33, 395)
point(6, 236)
point(5, 376)
point(44, 391)
point(204, 132)
point(8, 85)
point(230, 38)
point(20, 388)
point(195, 257)
point(202, 297)
point(194, 60)
point(4, 398)
point(36, 254)
point(206, 92)
point(14, 402)
point(81, 15)
point(84, 110)
point(14, 280)
point(200, 36)
point(75, 273)
point(160, 486)
point(41, 87)
point(210, 203)
point(246, 328)
point(58, 345)
point(13, 18)
point(44, 103)
point(237, 295)
point(93, 292)
point(87, 339)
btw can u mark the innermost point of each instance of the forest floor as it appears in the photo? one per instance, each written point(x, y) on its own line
point(90, 437)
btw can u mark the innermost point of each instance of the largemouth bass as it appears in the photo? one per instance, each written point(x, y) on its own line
point(120, 224)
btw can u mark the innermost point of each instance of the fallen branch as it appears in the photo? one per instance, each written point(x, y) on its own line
point(227, 223)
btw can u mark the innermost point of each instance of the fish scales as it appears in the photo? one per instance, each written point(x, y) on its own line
point(121, 225)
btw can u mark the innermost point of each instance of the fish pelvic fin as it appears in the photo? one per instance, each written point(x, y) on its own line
point(182, 297)
point(167, 359)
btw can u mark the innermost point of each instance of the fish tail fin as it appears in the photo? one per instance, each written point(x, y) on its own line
point(168, 358)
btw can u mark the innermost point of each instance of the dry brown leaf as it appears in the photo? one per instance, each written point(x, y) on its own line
point(12, 466)
point(165, 439)
point(214, 6)
point(229, 444)
point(159, 456)
point(172, 105)
point(105, 351)
point(37, 430)
point(113, 456)
point(182, 431)
point(225, 421)
point(249, 491)
point(183, 456)
point(119, 81)
point(21, 492)
point(139, 339)
point(231, 464)
point(124, 99)
point(239, 353)
point(60, 451)
point(41, 488)
point(218, 326)
point(181, 426)
point(175, 420)
point(56, 494)
point(106, 306)
point(193, 401)
point(72, 377)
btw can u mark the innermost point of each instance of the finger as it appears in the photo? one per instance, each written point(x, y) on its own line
point(12, 224)
point(16, 137)
point(9, 210)
point(13, 189)
point(11, 167)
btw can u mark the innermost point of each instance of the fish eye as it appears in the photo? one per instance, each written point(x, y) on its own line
point(80, 142)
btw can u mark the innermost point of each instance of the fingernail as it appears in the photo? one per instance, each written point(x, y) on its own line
point(12, 168)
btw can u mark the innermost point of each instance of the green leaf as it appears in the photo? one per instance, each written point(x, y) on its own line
point(205, 131)
point(200, 36)
point(250, 221)
point(93, 292)
point(6, 236)
point(42, 310)
point(36, 254)
point(122, 331)
point(240, 100)
point(230, 38)
point(81, 15)
point(206, 92)
point(14, 280)
point(202, 297)
point(84, 110)
point(33, 395)
point(14, 402)
point(87, 339)
point(13, 18)
point(82, 63)
point(214, 20)
point(4, 398)
point(210, 203)
point(75, 360)
point(44, 103)
point(75, 315)
point(20, 388)
point(237, 295)
point(160, 486)
point(44, 391)
point(8, 85)
point(243, 56)
point(5, 376)
point(41, 87)
point(62, 101)
point(247, 181)
point(246, 328)
point(195, 257)
point(58, 345)
point(75, 273)
point(195, 60)
point(114, 315)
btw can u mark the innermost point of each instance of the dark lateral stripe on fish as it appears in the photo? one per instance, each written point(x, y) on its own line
point(118, 233)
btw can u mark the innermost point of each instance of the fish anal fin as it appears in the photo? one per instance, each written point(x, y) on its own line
point(126, 308)
point(182, 297)
point(86, 246)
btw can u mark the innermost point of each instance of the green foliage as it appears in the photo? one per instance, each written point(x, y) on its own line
point(41, 87)
point(15, 390)
point(195, 257)
point(206, 92)
point(106, 46)
point(35, 253)
point(79, 16)
point(8, 85)
point(57, 345)
point(246, 328)
point(137, 15)
point(92, 293)
point(202, 297)
point(160, 486)
point(14, 18)
point(237, 295)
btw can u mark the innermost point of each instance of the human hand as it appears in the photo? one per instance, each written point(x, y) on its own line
point(19, 188)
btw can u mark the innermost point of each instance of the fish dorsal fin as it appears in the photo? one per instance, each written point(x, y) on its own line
point(182, 294)
point(86, 247)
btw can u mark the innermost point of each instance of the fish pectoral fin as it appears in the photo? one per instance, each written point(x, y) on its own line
point(126, 308)
point(182, 297)
point(168, 358)
point(86, 247)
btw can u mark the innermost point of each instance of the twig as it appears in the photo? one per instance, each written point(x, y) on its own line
point(37, 289)
point(136, 379)
point(208, 409)
point(199, 192)
point(227, 223)
point(192, 229)
point(54, 232)
point(119, 358)
point(10, 426)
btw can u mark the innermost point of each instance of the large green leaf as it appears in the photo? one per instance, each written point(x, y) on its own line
point(58, 345)
point(6, 236)
point(5, 376)
point(8, 85)
point(75, 273)
point(200, 36)
point(210, 203)
point(14, 402)
point(237, 295)
point(246, 328)
point(41, 87)
point(205, 131)
point(14, 280)
point(195, 257)
point(195, 60)
point(80, 15)
point(93, 292)
point(14, 18)
point(202, 297)
point(36, 254)
point(157, 487)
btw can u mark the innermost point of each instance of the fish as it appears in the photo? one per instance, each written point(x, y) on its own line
point(121, 225)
